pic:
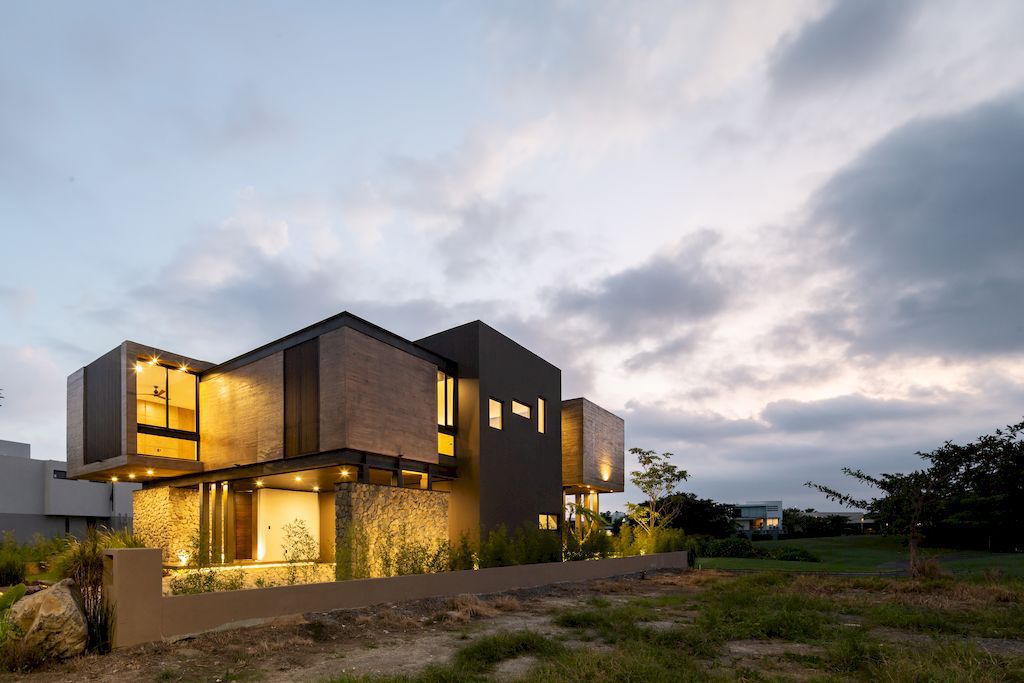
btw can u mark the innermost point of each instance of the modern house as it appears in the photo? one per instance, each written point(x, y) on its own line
point(36, 497)
point(342, 425)
point(763, 517)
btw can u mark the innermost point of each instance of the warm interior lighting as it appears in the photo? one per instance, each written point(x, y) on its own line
point(259, 482)
point(541, 414)
point(153, 360)
point(184, 367)
point(113, 479)
point(316, 488)
point(138, 367)
point(344, 472)
point(445, 444)
point(298, 478)
point(150, 472)
point(494, 413)
point(131, 475)
point(521, 409)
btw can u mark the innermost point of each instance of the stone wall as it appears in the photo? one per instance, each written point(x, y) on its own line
point(375, 524)
point(166, 518)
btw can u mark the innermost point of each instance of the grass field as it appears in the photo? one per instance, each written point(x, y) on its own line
point(764, 627)
point(870, 554)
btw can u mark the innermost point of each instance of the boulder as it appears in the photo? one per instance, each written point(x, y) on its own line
point(52, 621)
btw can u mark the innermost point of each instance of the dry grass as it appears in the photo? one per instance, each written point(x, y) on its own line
point(507, 603)
point(464, 608)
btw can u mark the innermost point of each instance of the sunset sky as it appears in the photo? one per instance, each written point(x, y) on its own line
point(777, 238)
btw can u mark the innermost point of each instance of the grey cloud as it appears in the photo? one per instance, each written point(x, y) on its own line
point(665, 353)
point(848, 41)
point(680, 286)
point(842, 413)
point(928, 223)
point(652, 423)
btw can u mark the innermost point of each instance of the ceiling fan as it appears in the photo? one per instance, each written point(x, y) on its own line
point(158, 392)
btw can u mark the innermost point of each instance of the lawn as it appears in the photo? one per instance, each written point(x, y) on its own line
point(859, 554)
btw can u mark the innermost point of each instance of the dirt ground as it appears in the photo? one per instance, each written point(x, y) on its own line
point(389, 639)
point(404, 638)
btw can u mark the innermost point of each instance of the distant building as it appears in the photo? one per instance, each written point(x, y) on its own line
point(37, 497)
point(854, 520)
point(759, 518)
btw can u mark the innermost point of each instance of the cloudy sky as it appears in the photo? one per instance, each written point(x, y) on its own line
point(776, 237)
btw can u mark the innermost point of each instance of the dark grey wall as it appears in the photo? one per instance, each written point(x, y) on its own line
point(25, 526)
point(517, 470)
point(103, 407)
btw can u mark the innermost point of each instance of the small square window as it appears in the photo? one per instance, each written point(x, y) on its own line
point(445, 444)
point(548, 522)
point(494, 413)
point(521, 409)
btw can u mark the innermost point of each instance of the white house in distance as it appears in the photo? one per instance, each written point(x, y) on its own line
point(37, 497)
point(759, 517)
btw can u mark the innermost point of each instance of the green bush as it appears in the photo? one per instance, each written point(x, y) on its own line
point(12, 567)
point(11, 596)
point(461, 557)
point(727, 547)
point(527, 546)
point(82, 560)
point(793, 554)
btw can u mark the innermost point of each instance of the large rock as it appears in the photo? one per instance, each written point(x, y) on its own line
point(52, 621)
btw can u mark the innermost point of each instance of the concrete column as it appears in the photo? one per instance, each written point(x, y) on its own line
point(133, 586)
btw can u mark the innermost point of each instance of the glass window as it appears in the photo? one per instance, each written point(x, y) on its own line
point(165, 397)
point(494, 413)
point(548, 522)
point(445, 400)
point(541, 414)
point(382, 477)
point(773, 523)
point(414, 480)
point(166, 447)
point(521, 409)
point(445, 444)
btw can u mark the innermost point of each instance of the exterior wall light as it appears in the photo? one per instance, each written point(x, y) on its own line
point(131, 475)
point(298, 478)
point(150, 472)
point(316, 488)
point(259, 482)
point(113, 479)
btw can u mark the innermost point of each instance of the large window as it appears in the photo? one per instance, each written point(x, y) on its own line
point(547, 522)
point(494, 410)
point(165, 397)
point(165, 410)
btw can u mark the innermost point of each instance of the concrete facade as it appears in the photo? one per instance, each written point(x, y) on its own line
point(372, 520)
point(36, 498)
point(241, 414)
point(593, 441)
point(376, 398)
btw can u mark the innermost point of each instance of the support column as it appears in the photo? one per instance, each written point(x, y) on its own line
point(229, 523)
point(204, 524)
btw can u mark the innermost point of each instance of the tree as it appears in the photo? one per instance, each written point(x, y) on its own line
point(902, 507)
point(700, 516)
point(657, 478)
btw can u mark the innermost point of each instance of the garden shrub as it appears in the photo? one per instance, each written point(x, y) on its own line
point(12, 567)
point(794, 554)
point(301, 551)
point(11, 596)
point(461, 556)
point(527, 546)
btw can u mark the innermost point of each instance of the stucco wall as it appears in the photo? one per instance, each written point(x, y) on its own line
point(166, 518)
point(374, 520)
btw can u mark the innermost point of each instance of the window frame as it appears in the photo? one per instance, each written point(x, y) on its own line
point(167, 431)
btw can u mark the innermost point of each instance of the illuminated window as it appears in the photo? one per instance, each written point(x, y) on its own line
point(414, 480)
point(382, 477)
point(165, 397)
point(521, 409)
point(548, 522)
point(494, 409)
point(445, 400)
point(541, 414)
point(166, 447)
point(445, 444)
point(772, 523)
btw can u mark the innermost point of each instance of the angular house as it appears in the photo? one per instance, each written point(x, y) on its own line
point(344, 426)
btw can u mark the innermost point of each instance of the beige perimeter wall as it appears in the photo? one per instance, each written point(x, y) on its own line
point(376, 521)
point(166, 518)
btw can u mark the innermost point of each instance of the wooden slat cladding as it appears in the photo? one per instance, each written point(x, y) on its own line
point(103, 378)
point(302, 399)
point(243, 525)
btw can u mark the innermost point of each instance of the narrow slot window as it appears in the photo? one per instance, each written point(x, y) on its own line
point(521, 409)
point(494, 413)
point(541, 414)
